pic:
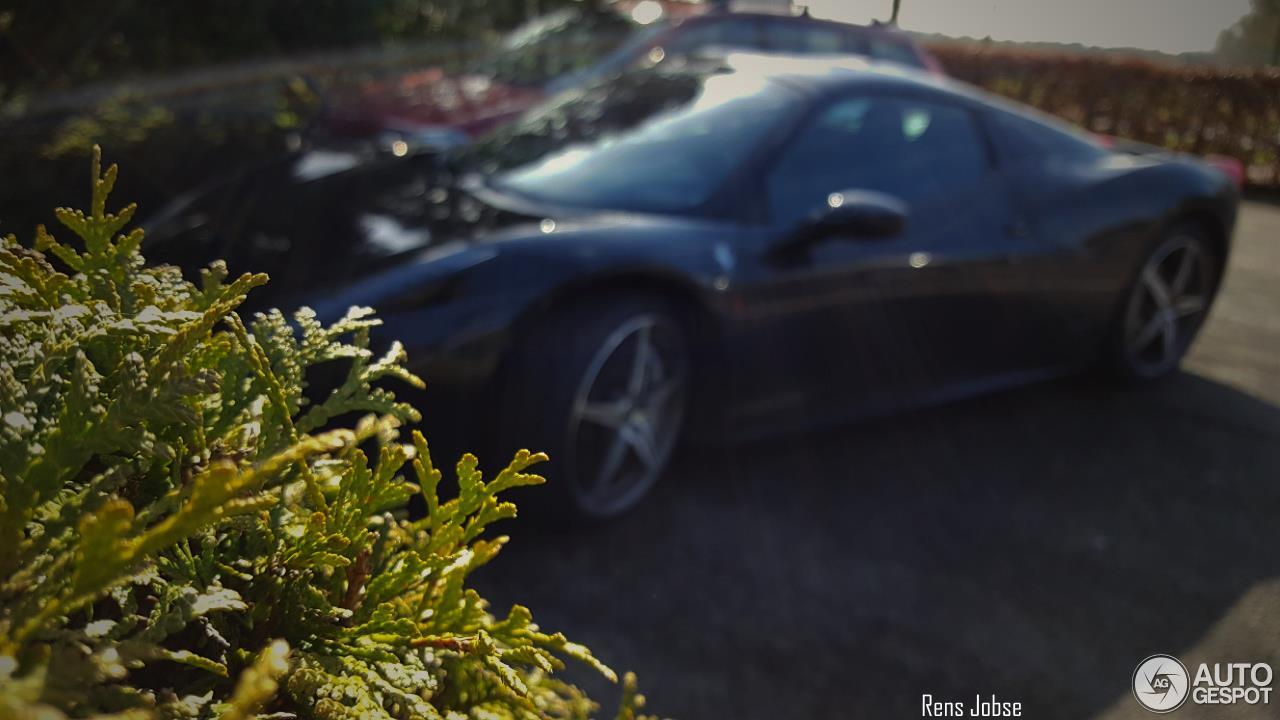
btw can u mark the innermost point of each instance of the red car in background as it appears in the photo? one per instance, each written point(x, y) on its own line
point(432, 109)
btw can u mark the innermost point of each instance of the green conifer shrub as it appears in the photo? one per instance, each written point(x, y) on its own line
point(183, 535)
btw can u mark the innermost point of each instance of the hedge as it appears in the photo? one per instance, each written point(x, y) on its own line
point(1230, 111)
point(186, 533)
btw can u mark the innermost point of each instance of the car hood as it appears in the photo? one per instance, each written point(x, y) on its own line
point(323, 220)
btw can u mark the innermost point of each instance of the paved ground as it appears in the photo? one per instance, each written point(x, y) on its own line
point(1035, 544)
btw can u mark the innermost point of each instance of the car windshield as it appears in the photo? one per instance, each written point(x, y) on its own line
point(651, 141)
point(555, 44)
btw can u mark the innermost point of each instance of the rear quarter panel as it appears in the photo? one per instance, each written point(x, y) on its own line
point(1101, 217)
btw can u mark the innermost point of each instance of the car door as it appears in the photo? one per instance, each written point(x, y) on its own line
point(880, 322)
point(1065, 291)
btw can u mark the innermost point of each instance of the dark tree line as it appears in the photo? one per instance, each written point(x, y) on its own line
point(1255, 38)
point(57, 44)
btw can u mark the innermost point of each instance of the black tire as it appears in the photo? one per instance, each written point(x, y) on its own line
point(573, 375)
point(1164, 306)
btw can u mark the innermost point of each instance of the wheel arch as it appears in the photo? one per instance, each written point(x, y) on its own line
point(687, 298)
point(692, 304)
point(1216, 229)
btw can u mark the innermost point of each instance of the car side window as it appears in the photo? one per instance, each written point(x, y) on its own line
point(917, 151)
point(724, 32)
point(804, 38)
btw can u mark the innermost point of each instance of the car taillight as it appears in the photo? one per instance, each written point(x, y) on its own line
point(1229, 166)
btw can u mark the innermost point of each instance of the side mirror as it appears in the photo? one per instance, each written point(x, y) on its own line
point(853, 214)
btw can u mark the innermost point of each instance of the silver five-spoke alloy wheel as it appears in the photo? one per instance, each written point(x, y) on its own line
point(626, 414)
point(1167, 305)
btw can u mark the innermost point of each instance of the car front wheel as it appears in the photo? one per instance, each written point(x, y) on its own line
point(601, 387)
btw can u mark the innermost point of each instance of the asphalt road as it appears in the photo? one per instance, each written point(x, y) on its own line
point(1035, 544)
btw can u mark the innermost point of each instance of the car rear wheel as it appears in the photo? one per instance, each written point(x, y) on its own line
point(602, 389)
point(1166, 305)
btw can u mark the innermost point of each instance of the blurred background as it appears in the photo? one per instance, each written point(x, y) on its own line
point(1035, 544)
point(187, 93)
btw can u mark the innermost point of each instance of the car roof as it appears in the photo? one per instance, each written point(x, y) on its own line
point(822, 74)
point(778, 17)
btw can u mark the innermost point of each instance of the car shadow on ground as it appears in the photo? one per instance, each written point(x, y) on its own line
point(1268, 196)
point(1035, 544)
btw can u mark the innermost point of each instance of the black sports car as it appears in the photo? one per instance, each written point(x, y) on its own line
point(731, 249)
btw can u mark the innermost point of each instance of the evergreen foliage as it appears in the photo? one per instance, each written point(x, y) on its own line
point(184, 535)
